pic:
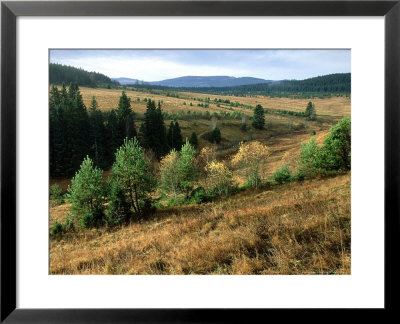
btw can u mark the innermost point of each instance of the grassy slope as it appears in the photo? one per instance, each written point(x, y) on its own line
point(299, 228)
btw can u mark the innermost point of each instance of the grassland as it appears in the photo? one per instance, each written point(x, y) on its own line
point(297, 228)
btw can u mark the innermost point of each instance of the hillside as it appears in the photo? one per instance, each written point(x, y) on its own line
point(59, 74)
point(263, 231)
point(339, 83)
point(208, 81)
point(301, 227)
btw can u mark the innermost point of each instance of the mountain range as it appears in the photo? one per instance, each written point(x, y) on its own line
point(197, 81)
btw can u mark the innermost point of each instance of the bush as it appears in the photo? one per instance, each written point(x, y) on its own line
point(56, 194)
point(57, 230)
point(199, 195)
point(219, 177)
point(282, 175)
point(94, 218)
point(310, 160)
point(336, 152)
point(252, 157)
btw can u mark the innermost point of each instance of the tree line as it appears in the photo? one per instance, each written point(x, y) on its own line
point(128, 194)
point(59, 74)
point(338, 83)
point(77, 131)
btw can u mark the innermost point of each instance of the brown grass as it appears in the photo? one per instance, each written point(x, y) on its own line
point(300, 228)
point(108, 99)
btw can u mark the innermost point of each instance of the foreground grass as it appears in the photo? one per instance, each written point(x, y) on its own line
point(299, 228)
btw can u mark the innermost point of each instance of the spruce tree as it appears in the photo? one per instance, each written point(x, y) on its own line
point(125, 117)
point(174, 136)
point(258, 117)
point(215, 136)
point(193, 140)
point(153, 133)
point(310, 112)
point(98, 135)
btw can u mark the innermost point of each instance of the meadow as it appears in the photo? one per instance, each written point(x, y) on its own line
point(302, 227)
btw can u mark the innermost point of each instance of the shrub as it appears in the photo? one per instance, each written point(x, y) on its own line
point(310, 160)
point(282, 175)
point(336, 152)
point(56, 194)
point(57, 230)
point(219, 177)
point(199, 195)
point(169, 182)
point(252, 157)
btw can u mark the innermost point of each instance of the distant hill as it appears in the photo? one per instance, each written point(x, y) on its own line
point(125, 81)
point(208, 81)
point(59, 73)
point(338, 83)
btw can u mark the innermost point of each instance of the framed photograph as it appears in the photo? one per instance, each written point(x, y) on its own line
point(197, 161)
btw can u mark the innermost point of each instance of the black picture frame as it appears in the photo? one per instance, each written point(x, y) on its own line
point(10, 10)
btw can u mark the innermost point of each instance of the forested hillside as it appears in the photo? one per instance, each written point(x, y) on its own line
point(59, 73)
point(339, 83)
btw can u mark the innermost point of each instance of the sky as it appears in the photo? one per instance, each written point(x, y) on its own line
point(157, 65)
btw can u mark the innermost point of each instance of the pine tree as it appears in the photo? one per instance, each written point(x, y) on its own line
point(85, 195)
point(118, 208)
point(132, 171)
point(258, 117)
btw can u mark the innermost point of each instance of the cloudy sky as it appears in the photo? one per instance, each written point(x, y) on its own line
point(156, 65)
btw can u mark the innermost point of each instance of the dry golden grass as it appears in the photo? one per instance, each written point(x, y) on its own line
point(108, 99)
point(300, 228)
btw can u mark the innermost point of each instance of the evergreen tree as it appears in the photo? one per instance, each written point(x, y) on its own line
point(174, 136)
point(98, 135)
point(336, 152)
point(69, 130)
point(85, 195)
point(258, 117)
point(113, 135)
point(118, 208)
point(132, 171)
point(193, 140)
point(310, 112)
point(215, 136)
point(153, 133)
point(125, 117)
